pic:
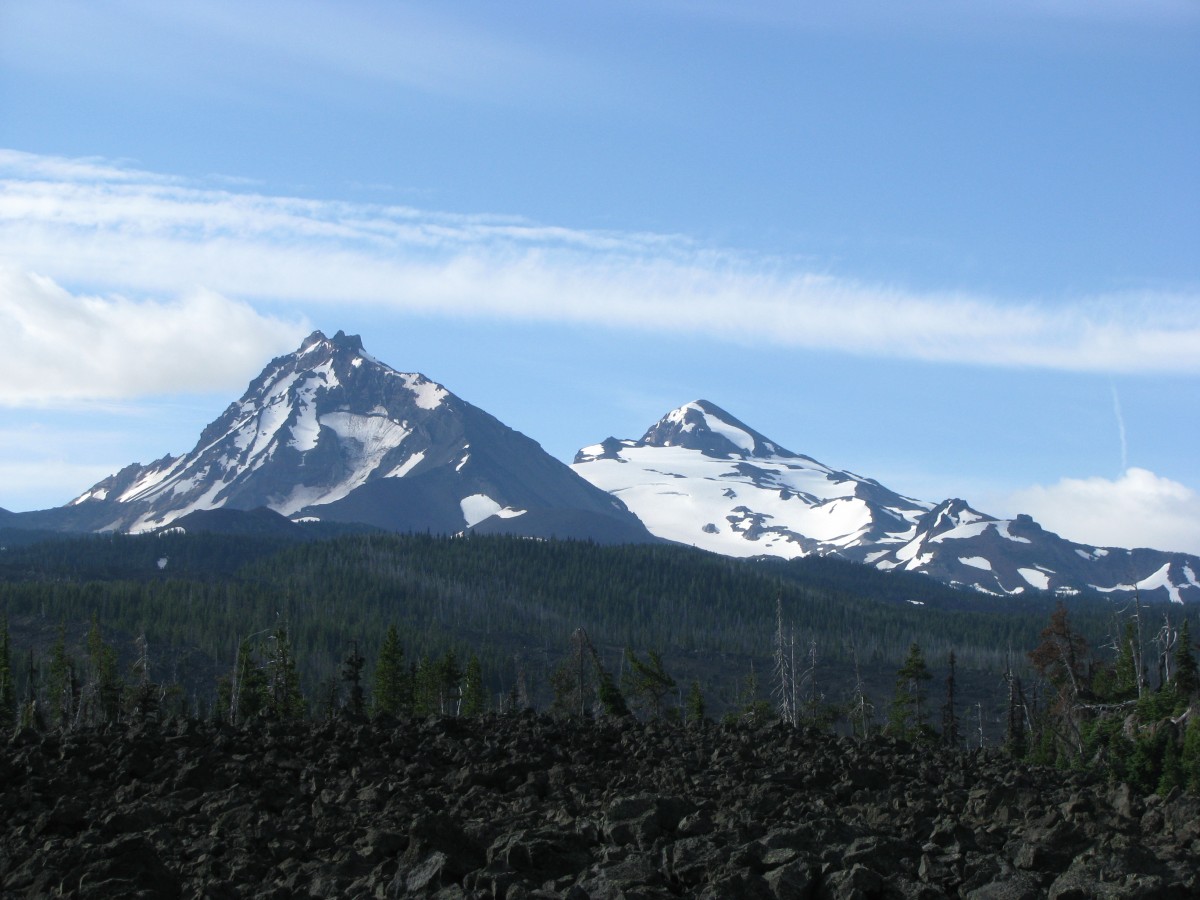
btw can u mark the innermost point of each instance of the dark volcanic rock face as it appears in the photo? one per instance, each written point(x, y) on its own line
point(517, 807)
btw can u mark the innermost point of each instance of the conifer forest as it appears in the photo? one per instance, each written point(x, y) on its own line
point(119, 628)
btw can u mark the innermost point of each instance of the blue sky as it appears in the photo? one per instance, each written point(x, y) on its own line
point(950, 246)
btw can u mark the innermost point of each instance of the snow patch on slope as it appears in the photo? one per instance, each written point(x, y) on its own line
point(478, 507)
point(689, 497)
point(735, 436)
point(407, 466)
point(426, 394)
point(1036, 578)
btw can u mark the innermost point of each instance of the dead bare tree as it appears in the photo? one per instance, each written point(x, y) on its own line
point(784, 674)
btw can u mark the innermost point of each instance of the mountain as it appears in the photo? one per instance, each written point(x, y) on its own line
point(699, 476)
point(330, 433)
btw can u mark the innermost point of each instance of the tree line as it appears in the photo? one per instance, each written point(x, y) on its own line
point(1119, 714)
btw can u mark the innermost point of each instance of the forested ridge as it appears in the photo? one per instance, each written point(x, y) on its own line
point(188, 612)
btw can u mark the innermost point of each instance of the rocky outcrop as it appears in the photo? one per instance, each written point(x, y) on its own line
point(524, 806)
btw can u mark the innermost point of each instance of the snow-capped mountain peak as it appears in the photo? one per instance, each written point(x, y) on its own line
point(704, 426)
point(328, 431)
point(700, 476)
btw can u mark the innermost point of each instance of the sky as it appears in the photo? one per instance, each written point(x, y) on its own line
point(951, 246)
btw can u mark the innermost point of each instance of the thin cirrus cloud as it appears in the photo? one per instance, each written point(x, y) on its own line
point(99, 226)
point(1138, 509)
point(215, 47)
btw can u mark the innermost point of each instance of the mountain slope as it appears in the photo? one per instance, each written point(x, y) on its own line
point(331, 433)
point(699, 476)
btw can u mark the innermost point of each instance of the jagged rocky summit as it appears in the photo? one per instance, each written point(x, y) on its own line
point(330, 433)
point(699, 476)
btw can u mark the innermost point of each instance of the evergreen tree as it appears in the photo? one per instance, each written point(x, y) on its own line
point(695, 703)
point(329, 698)
point(473, 696)
point(752, 706)
point(448, 676)
point(31, 713)
point(352, 667)
point(1172, 769)
point(8, 692)
point(104, 684)
point(144, 693)
point(389, 684)
point(1061, 658)
point(426, 693)
point(63, 685)
point(564, 682)
point(247, 686)
point(647, 682)
point(1125, 677)
point(1189, 757)
point(1015, 738)
point(282, 695)
point(951, 734)
point(860, 710)
point(907, 717)
point(1187, 679)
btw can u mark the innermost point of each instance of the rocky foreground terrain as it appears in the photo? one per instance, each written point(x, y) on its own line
point(525, 806)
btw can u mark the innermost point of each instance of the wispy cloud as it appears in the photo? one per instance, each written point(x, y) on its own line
point(62, 347)
point(220, 46)
point(96, 226)
point(1139, 509)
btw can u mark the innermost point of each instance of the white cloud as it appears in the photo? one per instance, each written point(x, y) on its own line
point(102, 226)
point(1139, 509)
point(62, 347)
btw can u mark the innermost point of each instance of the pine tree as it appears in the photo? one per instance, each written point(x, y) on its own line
point(144, 694)
point(695, 703)
point(753, 707)
point(1187, 679)
point(647, 682)
point(907, 717)
point(425, 686)
point(31, 713)
point(329, 698)
point(951, 735)
point(1015, 738)
point(282, 695)
point(1061, 658)
point(1189, 757)
point(860, 710)
point(247, 685)
point(448, 676)
point(612, 701)
point(352, 667)
point(473, 696)
point(104, 684)
point(63, 685)
point(1172, 769)
point(1125, 682)
point(563, 682)
point(8, 692)
point(389, 683)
